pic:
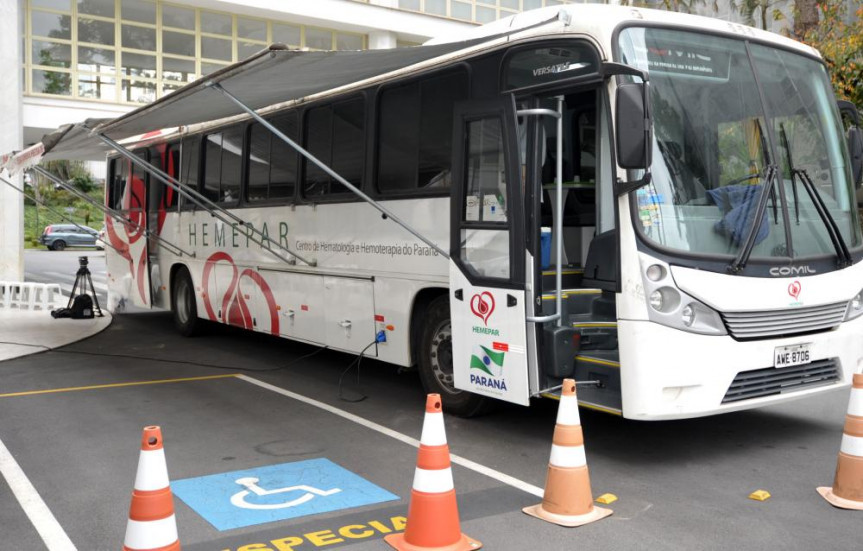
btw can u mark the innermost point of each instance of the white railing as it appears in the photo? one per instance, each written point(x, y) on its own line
point(29, 296)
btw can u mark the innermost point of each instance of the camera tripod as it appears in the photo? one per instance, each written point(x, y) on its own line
point(84, 285)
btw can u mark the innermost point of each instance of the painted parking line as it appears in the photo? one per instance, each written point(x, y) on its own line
point(115, 385)
point(458, 460)
point(40, 515)
point(277, 492)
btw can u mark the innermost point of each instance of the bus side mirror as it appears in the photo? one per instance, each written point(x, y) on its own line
point(855, 140)
point(633, 149)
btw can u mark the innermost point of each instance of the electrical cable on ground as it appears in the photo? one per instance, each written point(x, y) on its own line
point(357, 361)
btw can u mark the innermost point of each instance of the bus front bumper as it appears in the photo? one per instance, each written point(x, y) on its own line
point(667, 373)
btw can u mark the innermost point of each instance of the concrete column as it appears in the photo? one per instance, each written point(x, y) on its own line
point(11, 137)
point(382, 40)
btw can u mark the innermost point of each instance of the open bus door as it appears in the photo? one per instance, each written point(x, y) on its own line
point(487, 289)
point(130, 240)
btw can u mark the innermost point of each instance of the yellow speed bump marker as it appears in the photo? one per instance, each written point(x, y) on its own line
point(606, 499)
point(760, 495)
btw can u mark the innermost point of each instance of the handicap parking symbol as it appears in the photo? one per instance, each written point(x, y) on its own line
point(276, 492)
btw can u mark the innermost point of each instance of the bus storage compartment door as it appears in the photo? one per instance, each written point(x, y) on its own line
point(349, 314)
point(488, 339)
point(300, 300)
point(561, 346)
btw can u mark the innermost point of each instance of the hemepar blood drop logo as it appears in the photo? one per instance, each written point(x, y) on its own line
point(482, 306)
point(235, 308)
point(794, 289)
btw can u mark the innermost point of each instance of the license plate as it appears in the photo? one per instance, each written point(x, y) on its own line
point(796, 354)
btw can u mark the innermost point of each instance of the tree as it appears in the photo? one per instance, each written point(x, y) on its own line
point(762, 8)
point(840, 43)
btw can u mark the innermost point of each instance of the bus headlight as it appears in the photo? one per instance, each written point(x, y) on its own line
point(665, 300)
point(855, 308)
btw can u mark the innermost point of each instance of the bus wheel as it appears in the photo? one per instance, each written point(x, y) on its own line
point(435, 363)
point(183, 305)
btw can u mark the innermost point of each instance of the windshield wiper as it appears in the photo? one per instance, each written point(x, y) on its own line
point(842, 254)
point(742, 257)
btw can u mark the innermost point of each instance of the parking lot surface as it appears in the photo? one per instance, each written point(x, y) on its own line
point(242, 405)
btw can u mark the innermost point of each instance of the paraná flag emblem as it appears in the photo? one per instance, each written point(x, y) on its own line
point(487, 360)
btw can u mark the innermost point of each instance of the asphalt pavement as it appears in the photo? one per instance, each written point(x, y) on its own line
point(72, 418)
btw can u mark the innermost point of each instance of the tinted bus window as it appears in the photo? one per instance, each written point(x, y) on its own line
point(223, 165)
point(272, 162)
point(335, 134)
point(416, 133)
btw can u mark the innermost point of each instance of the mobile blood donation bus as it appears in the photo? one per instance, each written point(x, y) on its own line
point(693, 176)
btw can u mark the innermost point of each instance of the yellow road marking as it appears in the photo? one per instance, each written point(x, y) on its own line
point(116, 385)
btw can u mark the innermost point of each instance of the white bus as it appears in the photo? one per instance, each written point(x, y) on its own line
point(695, 256)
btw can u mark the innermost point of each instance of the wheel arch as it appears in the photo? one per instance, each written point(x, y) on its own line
point(421, 302)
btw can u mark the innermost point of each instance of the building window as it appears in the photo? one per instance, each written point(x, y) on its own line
point(478, 11)
point(73, 45)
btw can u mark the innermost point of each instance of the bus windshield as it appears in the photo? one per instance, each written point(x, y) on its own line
point(733, 119)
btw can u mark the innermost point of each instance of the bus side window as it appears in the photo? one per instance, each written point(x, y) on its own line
point(335, 134)
point(272, 163)
point(189, 163)
point(223, 162)
point(119, 173)
point(416, 133)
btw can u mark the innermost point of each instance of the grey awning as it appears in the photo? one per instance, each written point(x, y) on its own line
point(74, 142)
point(270, 77)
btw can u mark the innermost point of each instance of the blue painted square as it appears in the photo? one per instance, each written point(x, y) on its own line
point(276, 492)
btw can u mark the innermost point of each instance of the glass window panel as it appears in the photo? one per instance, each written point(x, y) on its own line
point(438, 97)
point(62, 5)
point(138, 91)
point(410, 5)
point(218, 23)
point(286, 34)
point(485, 15)
point(175, 16)
point(178, 43)
point(51, 54)
point(50, 25)
point(96, 60)
point(349, 41)
point(179, 70)
point(437, 7)
point(189, 163)
point(139, 65)
point(105, 8)
point(168, 88)
point(259, 164)
point(97, 87)
point(139, 38)
point(142, 11)
point(486, 252)
point(283, 172)
point(96, 31)
point(319, 39)
point(207, 68)
point(52, 82)
point(246, 49)
point(256, 29)
point(318, 142)
point(510, 4)
point(349, 140)
point(531, 4)
point(399, 138)
point(461, 10)
point(212, 166)
point(485, 182)
point(232, 157)
point(215, 48)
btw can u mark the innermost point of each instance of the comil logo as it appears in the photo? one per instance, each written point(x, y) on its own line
point(794, 289)
point(482, 305)
point(785, 271)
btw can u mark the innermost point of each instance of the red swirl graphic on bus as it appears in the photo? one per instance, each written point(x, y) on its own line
point(482, 305)
point(234, 308)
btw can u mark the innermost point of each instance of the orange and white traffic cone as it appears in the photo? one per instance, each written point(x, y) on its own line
point(152, 526)
point(433, 513)
point(847, 490)
point(567, 500)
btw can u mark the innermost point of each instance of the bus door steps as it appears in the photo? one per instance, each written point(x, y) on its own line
point(571, 278)
point(575, 301)
point(595, 334)
point(602, 366)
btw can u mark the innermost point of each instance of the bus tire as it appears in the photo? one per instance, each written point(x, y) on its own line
point(435, 363)
point(183, 305)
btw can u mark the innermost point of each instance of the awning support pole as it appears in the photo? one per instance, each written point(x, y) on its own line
point(114, 214)
point(386, 212)
point(212, 208)
point(52, 211)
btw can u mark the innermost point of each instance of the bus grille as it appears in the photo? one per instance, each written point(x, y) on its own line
point(769, 381)
point(773, 323)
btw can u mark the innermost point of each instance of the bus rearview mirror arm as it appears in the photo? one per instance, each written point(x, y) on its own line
point(634, 124)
